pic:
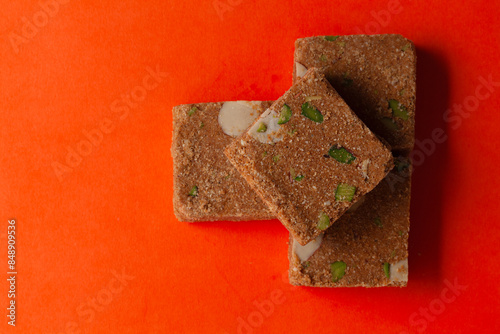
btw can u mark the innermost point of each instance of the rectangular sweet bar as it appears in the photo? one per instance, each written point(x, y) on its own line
point(375, 75)
point(367, 246)
point(206, 186)
point(309, 157)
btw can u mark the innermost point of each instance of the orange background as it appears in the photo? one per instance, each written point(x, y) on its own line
point(110, 212)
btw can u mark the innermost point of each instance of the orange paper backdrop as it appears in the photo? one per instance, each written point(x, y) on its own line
point(86, 94)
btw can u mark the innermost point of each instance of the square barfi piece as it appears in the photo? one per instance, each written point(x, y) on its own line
point(206, 186)
point(309, 157)
point(367, 246)
point(374, 74)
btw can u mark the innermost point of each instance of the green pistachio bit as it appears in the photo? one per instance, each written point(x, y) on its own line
point(345, 192)
point(393, 254)
point(192, 111)
point(298, 177)
point(389, 123)
point(378, 221)
point(227, 176)
point(323, 221)
point(306, 264)
point(346, 79)
point(347, 82)
point(264, 154)
point(331, 38)
point(285, 115)
point(202, 125)
point(404, 48)
point(323, 58)
point(341, 43)
point(194, 191)
point(401, 164)
point(398, 109)
point(376, 91)
point(276, 158)
point(312, 113)
point(295, 176)
point(312, 98)
point(291, 133)
point(262, 128)
point(402, 92)
point(386, 270)
point(400, 233)
point(338, 270)
point(341, 154)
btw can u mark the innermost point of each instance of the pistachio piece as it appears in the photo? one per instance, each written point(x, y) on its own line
point(344, 192)
point(378, 221)
point(194, 191)
point(262, 128)
point(331, 38)
point(323, 221)
point(192, 111)
point(309, 111)
point(323, 58)
point(389, 123)
point(337, 270)
point(387, 270)
point(340, 154)
point(398, 109)
point(276, 158)
point(346, 80)
point(312, 98)
point(401, 164)
point(285, 114)
point(299, 178)
point(294, 176)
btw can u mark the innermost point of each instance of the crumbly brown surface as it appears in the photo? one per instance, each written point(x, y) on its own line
point(197, 150)
point(296, 176)
point(364, 239)
point(368, 71)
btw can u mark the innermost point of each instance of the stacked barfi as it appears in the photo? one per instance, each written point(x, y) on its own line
point(318, 158)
